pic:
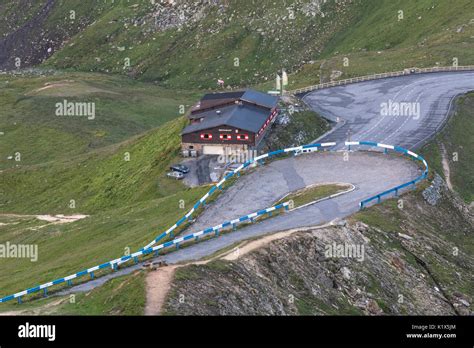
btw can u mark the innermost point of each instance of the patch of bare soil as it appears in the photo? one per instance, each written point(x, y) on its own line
point(158, 283)
point(245, 248)
point(55, 219)
point(54, 85)
point(48, 308)
point(61, 219)
point(446, 170)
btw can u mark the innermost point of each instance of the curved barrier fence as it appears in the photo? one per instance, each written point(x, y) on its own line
point(396, 189)
point(382, 76)
point(237, 171)
point(113, 264)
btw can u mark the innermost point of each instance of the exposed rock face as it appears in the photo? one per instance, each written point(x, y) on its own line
point(20, 46)
point(32, 42)
point(335, 74)
point(430, 274)
point(433, 193)
point(438, 190)
point(175, 14)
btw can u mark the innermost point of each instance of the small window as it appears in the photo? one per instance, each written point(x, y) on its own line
point(242, 137)
point(206, 136)
point(226, 136)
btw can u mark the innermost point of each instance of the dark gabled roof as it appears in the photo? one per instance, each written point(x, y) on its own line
point(224, 95)
point(246, 117)
point(213, 100)
point(203, 105)
point(259, 98)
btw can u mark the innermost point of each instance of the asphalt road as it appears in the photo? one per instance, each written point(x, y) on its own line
point(358, 107)
point(370, 173)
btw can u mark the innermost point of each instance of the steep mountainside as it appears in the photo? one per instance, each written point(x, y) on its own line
point(31, 31)
point(122, 188)
point(114, 167)
point(193, 43)
point(452, 152)
point(415, 260)
point(171, 41)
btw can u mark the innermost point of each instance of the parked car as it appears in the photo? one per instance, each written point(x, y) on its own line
point(180, 168)
point(175, 175)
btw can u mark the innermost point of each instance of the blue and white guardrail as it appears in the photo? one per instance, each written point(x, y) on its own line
point(150, 248)
point(175, 242)
point(396, 189)
point(203, 199)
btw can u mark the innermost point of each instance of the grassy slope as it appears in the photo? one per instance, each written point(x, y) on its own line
point(262, 36)
point(33, 29)
point(442, 221)
point(130, 203)
point(119, 296)
point(199, 54)
point(378, 42)
point(99, 180)
point(123, 108)
point(358, 30)
point(314, 193)
point(69, 248)
point(457, 139)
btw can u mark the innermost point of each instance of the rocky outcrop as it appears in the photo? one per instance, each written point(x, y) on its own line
point(176, 14)
point(392, 263)
point(32, 42)
point(433, 193)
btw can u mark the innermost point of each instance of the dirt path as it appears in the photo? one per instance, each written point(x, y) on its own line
point(446, 169)
point(47, 309)
point(245, 248)
point(158, 282)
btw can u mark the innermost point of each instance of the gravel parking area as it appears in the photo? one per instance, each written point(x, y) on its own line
point(371, 173)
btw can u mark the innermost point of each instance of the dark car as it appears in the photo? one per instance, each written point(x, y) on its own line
point(180, 168)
